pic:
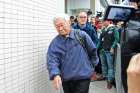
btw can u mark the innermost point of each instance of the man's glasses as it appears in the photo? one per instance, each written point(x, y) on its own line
point(82, 16)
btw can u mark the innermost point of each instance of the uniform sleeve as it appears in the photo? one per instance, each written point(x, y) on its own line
point(53, 61)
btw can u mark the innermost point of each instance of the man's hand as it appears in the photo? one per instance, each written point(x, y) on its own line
point(57, 82)
point(112, 51)
point(93, 77)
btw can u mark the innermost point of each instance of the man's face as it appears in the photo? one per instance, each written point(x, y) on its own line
point(62, 26)
point(100, 25)
point(82, 18)
point(72, 19)
point(106, 23)
point(93, 21)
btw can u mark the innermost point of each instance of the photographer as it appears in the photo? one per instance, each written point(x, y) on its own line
point(131, 44)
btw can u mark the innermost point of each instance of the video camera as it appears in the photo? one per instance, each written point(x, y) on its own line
point(119, 13)
point(129, 36)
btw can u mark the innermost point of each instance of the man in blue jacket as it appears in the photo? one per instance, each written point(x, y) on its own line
point(67, 60)
point(86, 26)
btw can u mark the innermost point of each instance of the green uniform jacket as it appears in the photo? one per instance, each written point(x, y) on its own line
point(109, 38)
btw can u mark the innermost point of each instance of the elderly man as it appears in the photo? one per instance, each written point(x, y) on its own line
point(67, 60)
point(85, 26)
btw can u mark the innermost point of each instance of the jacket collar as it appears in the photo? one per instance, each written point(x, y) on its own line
point(70, 35)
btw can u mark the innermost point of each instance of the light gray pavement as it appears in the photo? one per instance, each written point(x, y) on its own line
point(100, 87)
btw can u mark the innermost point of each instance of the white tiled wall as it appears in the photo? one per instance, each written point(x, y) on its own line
point(26, 29)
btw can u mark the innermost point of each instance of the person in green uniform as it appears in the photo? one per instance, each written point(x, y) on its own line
point(106, 45)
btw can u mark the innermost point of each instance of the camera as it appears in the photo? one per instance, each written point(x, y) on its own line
point(129, 38)
point(119, 13)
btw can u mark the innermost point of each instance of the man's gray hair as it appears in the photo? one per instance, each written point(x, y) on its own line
point(62, 16)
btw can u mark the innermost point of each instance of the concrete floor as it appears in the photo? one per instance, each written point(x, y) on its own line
point(100, 87)
point(97, 87)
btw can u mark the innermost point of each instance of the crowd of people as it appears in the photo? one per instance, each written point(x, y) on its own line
point(105, 35)
point(100, 39)
point(83, 51)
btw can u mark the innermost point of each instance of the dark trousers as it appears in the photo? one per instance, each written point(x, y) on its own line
point(98, 68)
point(125, 59)
point(76, 86)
